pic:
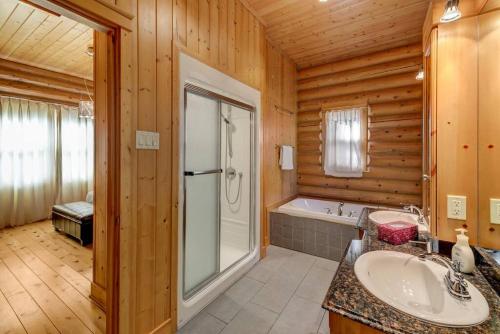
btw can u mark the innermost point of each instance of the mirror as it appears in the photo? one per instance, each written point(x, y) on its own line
point(461, 136)
point(489, 130)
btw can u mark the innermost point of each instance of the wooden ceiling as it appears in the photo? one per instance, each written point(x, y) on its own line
point(313, 32)
point(32, 36)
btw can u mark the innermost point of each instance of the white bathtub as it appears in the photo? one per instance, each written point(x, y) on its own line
point(324, 210)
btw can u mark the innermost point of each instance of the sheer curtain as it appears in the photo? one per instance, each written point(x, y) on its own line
point(46, 156)
point(76, 155)
point(27, 155)
point(345, 143)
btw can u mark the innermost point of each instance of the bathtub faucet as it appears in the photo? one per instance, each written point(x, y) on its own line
point(340, 209)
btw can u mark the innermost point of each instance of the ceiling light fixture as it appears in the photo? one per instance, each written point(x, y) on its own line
point(323, 0)
point(451, 11)
point(420, 74)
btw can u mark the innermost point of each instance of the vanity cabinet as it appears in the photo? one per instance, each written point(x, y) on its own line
point(343, 325)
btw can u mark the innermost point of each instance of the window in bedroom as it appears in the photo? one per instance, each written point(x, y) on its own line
point(345, 140)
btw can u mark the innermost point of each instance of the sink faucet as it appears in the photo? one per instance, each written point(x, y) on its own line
point(420, 220)
point(340, 209)
point(415, 209)
point(454, 279)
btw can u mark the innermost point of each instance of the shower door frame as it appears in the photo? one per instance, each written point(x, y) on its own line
point(194, 89)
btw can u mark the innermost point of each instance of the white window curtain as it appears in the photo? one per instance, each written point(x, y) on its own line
point(36, 159)
point(345, 142)
point(77, 155)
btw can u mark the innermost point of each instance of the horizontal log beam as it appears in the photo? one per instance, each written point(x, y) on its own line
point(362, 61)
point(29, 96)
point(43, 76)
point(394, 147)
point(396, 124)
point(396, 108)
point(308, 128)
point(360, 196)
point(377, 84)
point(310, 137)
point(367, 98)
point(381, 185)
point(410, 65)
point(393, 173)
point(309, 159)
point(22, 88)
point(413, 133)
point(399, 117)
point(381, 160)
point(308, 147)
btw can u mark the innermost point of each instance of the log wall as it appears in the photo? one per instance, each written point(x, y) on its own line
point(386, 82)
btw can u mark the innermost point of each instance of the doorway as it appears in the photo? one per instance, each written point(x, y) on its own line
point(59, 158)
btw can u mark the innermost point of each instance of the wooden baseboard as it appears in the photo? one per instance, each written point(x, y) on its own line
point(98, 295)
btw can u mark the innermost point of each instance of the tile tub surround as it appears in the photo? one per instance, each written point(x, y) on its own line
point(349, 298)
point(311, 236)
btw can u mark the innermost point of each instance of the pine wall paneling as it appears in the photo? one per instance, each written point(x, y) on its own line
point(223, 34)
point(460, 117)
point(488, 125)
point(386, 82)
point(457, 124)
point(279, 128)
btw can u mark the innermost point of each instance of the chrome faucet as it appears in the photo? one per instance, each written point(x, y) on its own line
point(415, 209)
point(340, 209)
point(454, 279)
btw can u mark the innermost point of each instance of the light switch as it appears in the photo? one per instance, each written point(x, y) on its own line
point(457, 207)
point(495, 210)
point(146, 140)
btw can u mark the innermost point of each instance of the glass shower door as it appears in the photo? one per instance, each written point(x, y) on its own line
point(202, 192)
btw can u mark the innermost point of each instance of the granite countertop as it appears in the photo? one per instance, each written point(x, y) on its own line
point(346, 296)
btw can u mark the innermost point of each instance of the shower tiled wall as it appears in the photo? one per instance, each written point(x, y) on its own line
point(312, 236)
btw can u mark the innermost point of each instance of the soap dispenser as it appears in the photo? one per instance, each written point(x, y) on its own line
point(462, 252)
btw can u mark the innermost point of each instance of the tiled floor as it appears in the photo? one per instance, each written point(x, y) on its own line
point(281, 294)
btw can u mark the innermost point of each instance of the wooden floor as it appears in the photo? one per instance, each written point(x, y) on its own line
point(45, 283)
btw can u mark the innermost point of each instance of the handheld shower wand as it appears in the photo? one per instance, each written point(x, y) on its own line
point(230, 170)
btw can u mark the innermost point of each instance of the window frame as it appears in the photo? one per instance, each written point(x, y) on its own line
point(366, 111)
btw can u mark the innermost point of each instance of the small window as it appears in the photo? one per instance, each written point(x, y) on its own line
point(345, 142)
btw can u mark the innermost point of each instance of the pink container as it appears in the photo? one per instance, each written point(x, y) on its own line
point(397, 233)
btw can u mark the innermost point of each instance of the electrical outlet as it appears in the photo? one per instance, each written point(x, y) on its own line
point(457, 207)
point(494, 210)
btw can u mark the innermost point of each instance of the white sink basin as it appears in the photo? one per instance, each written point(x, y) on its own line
point(417, 288)
point(387, 216)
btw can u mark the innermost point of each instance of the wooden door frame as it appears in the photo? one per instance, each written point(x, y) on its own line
point(105, 20)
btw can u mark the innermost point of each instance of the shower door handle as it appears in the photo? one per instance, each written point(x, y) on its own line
point(204, 172)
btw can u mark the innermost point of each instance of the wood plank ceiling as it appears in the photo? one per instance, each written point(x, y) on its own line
point(32, 36)
point(313, 32)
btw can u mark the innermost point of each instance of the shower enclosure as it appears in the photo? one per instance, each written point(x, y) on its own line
point(218, 204)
